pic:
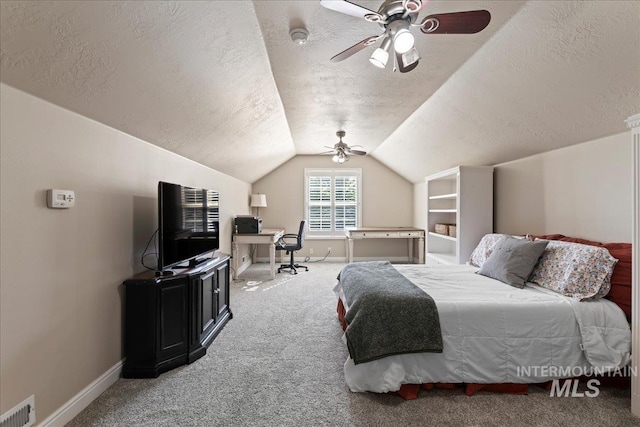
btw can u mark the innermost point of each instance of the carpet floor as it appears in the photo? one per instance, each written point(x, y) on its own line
point(279, 362)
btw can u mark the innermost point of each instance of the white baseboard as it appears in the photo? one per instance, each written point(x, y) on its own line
point(243, 267)
point(401, 259)
point(77, 403)
point(301, 260)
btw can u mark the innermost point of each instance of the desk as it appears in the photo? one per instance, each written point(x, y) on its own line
point(408, 233)
point(269, 236)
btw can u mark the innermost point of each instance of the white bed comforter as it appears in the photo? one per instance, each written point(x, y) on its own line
point(495, 333)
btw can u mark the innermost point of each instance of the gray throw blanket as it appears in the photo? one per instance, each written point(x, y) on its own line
point(387, 313)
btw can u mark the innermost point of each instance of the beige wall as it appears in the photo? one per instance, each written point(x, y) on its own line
point(581, 191)
point(420, 205)
point(387, 200)
point(61, 270)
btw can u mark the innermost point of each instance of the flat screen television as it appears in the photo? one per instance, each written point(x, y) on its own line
point(188, 224)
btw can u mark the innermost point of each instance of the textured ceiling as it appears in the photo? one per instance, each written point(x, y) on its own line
point(221, 82)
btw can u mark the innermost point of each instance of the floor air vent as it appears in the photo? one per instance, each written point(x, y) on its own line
point(21, 415)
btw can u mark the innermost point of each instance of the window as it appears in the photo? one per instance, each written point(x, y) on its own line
point(332, 200)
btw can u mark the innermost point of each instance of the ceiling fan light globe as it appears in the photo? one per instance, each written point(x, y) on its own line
point(336, 159)
point(403, 41)
point(410, 57)
point(379, 58)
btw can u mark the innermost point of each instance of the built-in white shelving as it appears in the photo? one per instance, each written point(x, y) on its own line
point(462, 196)
point(443, 258)
point(444, 196)
point(442, 236)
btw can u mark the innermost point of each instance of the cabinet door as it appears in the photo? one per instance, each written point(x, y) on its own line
point(223, 287)
point(209, 307)
point(173, 320)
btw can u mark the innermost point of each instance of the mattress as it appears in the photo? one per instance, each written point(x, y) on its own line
point(495, 333)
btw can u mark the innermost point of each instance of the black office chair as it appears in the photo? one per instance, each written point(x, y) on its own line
point(286, 243)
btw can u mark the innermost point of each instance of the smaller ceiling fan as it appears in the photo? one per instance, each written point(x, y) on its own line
point(396, 17)
point(342, 151)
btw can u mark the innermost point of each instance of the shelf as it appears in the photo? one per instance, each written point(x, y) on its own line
point(444, 196)
point(470, 190)
point(442, 236)
point(443, 210)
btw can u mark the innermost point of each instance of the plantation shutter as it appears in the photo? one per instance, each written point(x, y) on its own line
point(346, 202)
point(319, 203)
point(332, 200)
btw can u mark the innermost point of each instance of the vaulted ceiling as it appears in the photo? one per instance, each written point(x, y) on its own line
point(222, 83)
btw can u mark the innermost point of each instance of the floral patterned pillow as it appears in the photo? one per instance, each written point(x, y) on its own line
point(575, 270)
point(484, 249)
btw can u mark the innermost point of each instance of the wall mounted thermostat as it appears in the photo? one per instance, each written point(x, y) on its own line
point(61, 199)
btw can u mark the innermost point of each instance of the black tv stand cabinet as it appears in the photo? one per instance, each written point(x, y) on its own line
point(171, 320)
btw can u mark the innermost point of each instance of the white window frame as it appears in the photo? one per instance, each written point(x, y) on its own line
point(332, 173)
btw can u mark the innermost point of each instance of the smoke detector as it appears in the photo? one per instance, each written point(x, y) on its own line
point(299, 35)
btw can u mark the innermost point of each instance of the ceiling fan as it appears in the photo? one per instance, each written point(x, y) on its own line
point(342, 151)
point(397, 17)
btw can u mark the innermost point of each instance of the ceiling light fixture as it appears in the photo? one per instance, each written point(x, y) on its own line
point(396, 17)
point(299, 35)
point(340, 157)
point(403, 40)
point(380, 56)
point(410, 57)
point(341, 151)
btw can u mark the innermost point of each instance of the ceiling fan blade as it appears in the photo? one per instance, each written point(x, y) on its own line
point(348, 8)
point(407, 61)
point(355, 48)
point(358, 152)
point(469, 22)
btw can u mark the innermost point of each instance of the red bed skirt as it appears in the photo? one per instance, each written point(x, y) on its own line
point(410, 391)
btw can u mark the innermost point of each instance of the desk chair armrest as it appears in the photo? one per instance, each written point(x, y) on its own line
point(283, 240)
